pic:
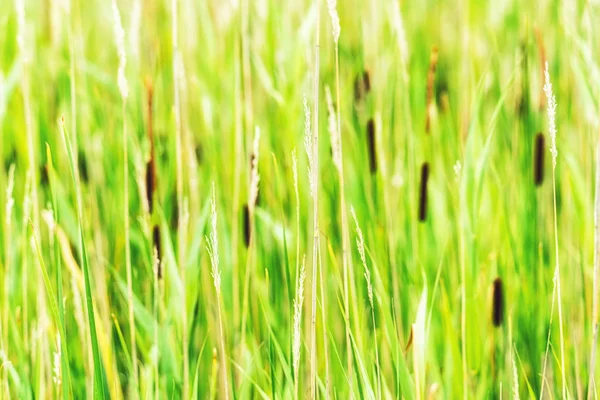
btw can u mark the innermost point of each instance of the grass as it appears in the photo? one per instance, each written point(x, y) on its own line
point(126, 128)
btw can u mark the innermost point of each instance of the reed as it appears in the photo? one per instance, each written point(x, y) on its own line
point(314, 182)
point(212, 248)
point(595, 299)
point(124, 91)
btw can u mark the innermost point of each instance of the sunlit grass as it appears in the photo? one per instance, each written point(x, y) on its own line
point(384, 226)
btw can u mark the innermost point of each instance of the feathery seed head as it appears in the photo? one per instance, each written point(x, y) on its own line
point(298, 301)
point(213, 244)
point(308, 144)
point(120, 41)
point(551, 115)
point(360, 243)
point(336, 143)
point(335, 20)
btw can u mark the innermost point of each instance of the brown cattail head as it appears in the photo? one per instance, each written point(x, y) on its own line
point(150, 183)
point(156, 249)
point(44, 179)
point(247, 225)
point(430, 87)
point(362, 87)
point(371, 146)
point(498, 303)
point(423, 192)
point(82, 165)
point(151, 165)
point(538, 167)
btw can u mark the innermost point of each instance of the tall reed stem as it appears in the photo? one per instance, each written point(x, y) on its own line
point(315, 177)
point(592, 382)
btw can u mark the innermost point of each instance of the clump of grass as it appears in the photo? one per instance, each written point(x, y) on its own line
point(423, 192)
point(538, 166)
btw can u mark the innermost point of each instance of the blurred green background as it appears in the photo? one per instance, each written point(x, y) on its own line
point(217, 70)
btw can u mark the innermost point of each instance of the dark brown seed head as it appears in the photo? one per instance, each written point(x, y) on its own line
point(371, 146)
point(423, 192)
point(247, 225)
point(150, 183)
point(44, 175)
point(157, 250)
point(366, 82)
point(498, 303)
point(538, 167)
point(151, 165)
point(82, 164)
point(362, 87)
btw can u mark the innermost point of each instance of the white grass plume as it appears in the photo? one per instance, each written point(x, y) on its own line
point(399, 27)
point(308, 145)
point(56, 371)
point(298, 302)
point(254, 176)
point(213, 250)
point(515, 378)
point(335, 20)
point(556, 291)
point(551, 115)
point(213, 245)
point(336, 144)
point(120, 42)
point(360, 243)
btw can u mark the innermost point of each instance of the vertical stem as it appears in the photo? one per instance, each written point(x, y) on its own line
point(345, 232)
point(223, 357)
point(128, 252)
point(591, 384)
point(557, 278)
point(315, 155)
point(180, 228)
